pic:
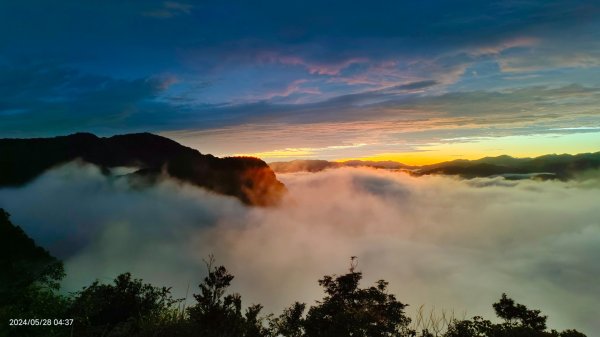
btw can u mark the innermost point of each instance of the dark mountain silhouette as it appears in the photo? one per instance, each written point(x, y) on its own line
point(563, 166)
point(249, 179)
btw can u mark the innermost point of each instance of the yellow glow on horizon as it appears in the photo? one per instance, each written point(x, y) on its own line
point(409, 158)
point(515, 146)
point(283, 153)
point(297, 152)
point(447, 149)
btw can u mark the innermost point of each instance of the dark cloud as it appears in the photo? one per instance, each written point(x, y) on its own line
point(339, 29)
point(318, 32)
point(54, 99)
point(415, 85)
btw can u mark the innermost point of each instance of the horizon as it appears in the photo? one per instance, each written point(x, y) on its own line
point(397, 158)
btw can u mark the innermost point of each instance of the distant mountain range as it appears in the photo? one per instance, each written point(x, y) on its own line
point(320, 165)
point(249, 179)
point(563, 167)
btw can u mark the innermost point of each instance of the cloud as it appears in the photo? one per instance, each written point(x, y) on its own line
point(568, 48)
point(513, 105)
point(47, 98)
point(393, 120)
point(295, 88)
point(57, 99)
point(283, 63)
point(415, 85)
point(170, 9)
point(439, 241)
point(316, 68)
point(364, 46)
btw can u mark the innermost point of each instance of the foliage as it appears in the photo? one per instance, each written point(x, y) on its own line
point(220, 315)
point(120, 308)
point(29, 280)
point(519, 321)
point(348, 310)
point(23, 263)
point(290, 323)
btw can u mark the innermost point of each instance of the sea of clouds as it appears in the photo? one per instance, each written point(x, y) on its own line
point(439, 241)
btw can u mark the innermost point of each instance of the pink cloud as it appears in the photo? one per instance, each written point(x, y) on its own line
point(293, 88)
point(315, 68)
point(334, 68)
point(381, 75)
point(504, 45)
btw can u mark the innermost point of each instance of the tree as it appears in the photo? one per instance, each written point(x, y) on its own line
point(519, 315)
point(29, 281)
point(220, 315)
point(348, 310)
point(519, 321)
point(118, 309)
point(290, 323)
point(23, 263)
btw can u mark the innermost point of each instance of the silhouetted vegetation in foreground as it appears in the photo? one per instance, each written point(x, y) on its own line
point(129, 307)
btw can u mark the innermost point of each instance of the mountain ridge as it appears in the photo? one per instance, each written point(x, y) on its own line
point(549, 166)
point(249, 179)
point(562, 166)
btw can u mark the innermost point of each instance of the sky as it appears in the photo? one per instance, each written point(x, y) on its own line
point(413, 81)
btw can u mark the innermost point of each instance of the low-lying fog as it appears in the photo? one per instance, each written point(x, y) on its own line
point(439, 241)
